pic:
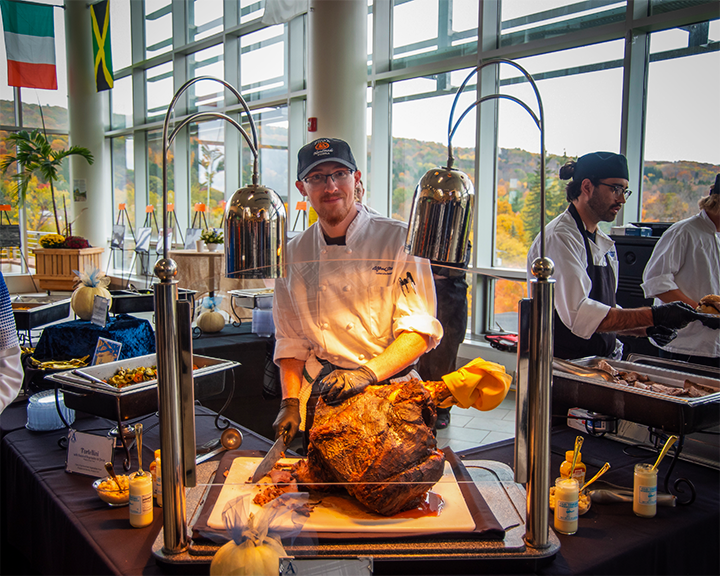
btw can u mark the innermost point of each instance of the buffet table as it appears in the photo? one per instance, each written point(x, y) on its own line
point(53, 523)
point(610, 538)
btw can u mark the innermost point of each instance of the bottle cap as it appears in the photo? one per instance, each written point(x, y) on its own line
point(569, 456)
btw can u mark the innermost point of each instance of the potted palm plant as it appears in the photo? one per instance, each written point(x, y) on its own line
point(61, 253)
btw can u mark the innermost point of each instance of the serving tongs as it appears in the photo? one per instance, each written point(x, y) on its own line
point(584, 371)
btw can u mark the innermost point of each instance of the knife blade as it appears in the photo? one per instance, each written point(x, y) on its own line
point(273, 455)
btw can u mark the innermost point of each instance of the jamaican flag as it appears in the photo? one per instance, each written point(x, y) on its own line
point(102, 57)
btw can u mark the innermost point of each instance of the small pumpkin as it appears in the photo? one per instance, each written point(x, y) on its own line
point(211, 321)
point(92, 283)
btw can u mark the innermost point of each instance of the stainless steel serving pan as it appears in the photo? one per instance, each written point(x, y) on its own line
point(673, 414)
point(134, 400)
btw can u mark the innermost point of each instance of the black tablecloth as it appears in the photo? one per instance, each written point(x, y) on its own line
point(52, 522)
point(248, 406)
point(610, 538)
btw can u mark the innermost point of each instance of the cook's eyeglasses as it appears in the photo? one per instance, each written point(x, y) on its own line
point(319, 180)
point(618, 190)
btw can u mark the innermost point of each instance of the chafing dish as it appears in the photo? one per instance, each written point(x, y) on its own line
point(672, 414)
point(133, 301)
point(100, 399)
point(36, 312)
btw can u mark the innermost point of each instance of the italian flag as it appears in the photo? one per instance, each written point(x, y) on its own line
point(30, 44)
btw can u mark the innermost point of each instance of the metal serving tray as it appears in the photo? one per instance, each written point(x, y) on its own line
point(38, 312)
point(135, 400)
point(132, 301)
point(672, 414)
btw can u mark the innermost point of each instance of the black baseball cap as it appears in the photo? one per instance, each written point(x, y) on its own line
point(598, 165)
point(715, 188)
point(324, 150)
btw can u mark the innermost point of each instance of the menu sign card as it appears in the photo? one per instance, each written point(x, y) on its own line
point(87, 453)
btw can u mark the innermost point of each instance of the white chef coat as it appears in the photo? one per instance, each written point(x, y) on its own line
point(11, 373)
point(687, 258)
point(345, 304)
point(565, 247)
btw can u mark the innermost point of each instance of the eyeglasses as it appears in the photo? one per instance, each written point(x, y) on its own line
point(317, 181)
point(618, 190)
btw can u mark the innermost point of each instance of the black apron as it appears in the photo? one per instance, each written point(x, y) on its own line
point(569, 346)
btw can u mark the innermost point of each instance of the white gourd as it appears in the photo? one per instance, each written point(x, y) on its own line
point(92, 284)
point(211, 322)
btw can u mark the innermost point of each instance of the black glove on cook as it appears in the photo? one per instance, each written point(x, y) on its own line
point(340, 385)
point(660, 335)
point(288, 419)
point(677, 315)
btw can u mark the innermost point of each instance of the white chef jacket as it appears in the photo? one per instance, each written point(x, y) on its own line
point(687, 258)
point(564, 245)
point(345, 304)
point(11, 373)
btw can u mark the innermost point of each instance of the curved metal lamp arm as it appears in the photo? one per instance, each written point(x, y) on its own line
point(539, 121)
point(167, 141)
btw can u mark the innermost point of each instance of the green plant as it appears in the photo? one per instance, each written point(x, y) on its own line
point(33, 153)
point(211, 236)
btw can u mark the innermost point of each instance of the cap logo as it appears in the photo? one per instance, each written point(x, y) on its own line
point(322, 145)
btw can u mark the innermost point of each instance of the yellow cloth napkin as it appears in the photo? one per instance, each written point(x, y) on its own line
point(480, 384)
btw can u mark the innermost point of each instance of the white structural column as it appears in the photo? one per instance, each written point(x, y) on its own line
point(337, 72)
point(85, 108)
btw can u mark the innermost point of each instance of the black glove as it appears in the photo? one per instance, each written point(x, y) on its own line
point(340, 385)
point(288, 419)
point(677, 315)
point(660, 335)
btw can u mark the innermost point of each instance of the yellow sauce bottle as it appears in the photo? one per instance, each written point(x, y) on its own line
point(141, 505)
point(580, 469)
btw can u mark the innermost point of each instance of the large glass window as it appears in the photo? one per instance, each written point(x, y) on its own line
point(119, 38)
point(207, 168)
point(418, 146)
point(251, 9)
point(581, 90)
point(154, 167)
point(682, 155)
point(433, 29)
point(123, 171)
point(158, 27)
point(272, 126)
point(160, 90)
point(262, 62)
point(121, 103)
point(205, 18)
point(206, 94)
point(527, 20)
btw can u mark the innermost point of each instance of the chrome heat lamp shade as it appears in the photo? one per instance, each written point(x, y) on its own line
point(255, 234)
point(441, 216)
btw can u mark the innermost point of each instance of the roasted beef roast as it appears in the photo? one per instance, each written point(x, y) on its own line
point(380, 443)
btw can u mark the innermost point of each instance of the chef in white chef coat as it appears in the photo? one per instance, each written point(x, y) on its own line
point(354, 308)
point(587, 317)
point(11, 373)
point(685, 266)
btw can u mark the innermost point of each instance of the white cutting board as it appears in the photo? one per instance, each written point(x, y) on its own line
point(342, 513)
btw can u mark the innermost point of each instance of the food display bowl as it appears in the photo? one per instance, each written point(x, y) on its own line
point(134, 400)
point(113, 497)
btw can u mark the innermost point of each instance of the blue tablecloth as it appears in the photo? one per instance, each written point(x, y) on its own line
point(78, 338)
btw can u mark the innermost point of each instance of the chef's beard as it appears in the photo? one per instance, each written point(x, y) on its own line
point(601, 208)
point(334, 214)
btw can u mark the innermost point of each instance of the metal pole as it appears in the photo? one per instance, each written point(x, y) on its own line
point(170, 408)
point(539, 394)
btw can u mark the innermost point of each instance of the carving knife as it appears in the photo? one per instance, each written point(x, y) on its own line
point(273, 455)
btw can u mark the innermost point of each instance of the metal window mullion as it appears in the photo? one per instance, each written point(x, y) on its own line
point(231, 69)
point(380, 184)
point(634, 99)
